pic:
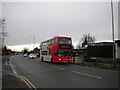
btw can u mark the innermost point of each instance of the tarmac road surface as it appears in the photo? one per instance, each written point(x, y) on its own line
point(48, 75)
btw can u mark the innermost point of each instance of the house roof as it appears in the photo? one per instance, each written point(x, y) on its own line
point(102, 43)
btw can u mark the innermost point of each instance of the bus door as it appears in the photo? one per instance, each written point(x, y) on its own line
point(46, 56)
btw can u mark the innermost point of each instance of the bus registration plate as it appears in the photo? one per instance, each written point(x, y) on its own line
point(65, 59)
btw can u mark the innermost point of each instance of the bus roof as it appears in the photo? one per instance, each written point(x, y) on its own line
point(56, 37)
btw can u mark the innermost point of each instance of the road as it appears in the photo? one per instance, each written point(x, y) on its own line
point(48, 75)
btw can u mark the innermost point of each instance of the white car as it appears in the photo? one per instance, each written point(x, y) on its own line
point(32, 56)
point(25, 55)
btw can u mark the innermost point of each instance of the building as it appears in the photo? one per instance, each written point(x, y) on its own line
point(101, 49)
point(102, 44)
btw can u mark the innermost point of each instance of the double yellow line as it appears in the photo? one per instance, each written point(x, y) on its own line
point(25, 80)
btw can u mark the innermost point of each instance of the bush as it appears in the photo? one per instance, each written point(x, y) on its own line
point(105, 60)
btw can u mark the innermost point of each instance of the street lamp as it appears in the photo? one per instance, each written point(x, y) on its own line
point(3, 33)
point(114, 61)
point(33, 41)
point(29, 41)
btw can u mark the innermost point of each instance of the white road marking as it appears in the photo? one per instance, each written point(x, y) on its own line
point(58, 67)
point(12, 68)
point(87, 74)
point(10, 59)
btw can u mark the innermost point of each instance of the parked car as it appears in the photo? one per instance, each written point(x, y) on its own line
point(32, 56)
point(25, 55)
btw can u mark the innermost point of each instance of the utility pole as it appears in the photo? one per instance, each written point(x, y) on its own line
point(29, 42)
point(3, 33)
point(33, 41)
point(114, 61)
point(33, 36)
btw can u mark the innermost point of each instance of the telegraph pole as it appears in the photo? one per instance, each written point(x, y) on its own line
point(33, 41)
point(29, 41)
point(114, 61)
point(33, 36)
point(3, 33)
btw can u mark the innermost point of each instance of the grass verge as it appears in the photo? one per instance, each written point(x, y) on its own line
point(99, 65)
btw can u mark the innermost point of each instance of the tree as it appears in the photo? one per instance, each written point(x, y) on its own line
point(6, 51)
point(87, 39)
point(36, 50)
point(25, 50)
point(78, 46)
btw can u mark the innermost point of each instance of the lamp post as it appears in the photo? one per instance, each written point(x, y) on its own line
point(33, 41)
point(3, 34)
point(114, 61)
point(29, 41)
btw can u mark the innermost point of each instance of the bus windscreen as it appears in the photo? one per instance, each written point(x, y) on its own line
point(63, 53)
point(65, 40)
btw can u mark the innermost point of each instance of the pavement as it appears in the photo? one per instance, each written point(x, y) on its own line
point(9, 79)
point(16, 83)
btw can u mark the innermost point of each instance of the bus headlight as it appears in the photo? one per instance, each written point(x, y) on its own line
point(59, 59)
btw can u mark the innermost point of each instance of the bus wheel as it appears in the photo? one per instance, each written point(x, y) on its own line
point(42, 59)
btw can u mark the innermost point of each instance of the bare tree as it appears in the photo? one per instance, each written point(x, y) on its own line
point(78, 46)
point(87, 39)
point(25, 50)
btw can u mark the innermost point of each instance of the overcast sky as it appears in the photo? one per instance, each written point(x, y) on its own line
point(48, 19)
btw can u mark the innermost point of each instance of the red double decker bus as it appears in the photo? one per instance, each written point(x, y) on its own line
point(57, 49)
